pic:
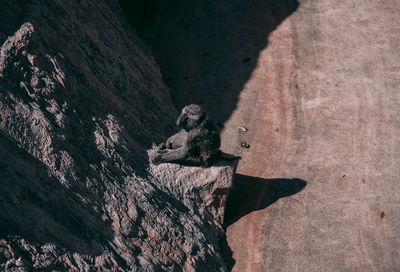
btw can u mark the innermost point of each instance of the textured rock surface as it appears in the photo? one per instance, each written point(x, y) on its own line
point(81, 99)
point(203, 190)
point(331, 101)
point(320, 99)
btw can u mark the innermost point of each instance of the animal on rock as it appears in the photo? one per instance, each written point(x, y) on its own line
point(197, 143)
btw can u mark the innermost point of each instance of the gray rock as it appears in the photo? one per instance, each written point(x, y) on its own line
point(203, 190)
point(81, 99)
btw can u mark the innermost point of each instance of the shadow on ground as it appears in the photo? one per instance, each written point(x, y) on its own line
point(251, 194)
point(207, 50)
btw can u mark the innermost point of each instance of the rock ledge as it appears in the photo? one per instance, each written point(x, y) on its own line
point(204, 190)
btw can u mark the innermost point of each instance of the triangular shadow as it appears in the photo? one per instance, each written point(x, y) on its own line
point(207, 50)
point(253, 193)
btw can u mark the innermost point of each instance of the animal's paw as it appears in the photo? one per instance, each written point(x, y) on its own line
point(155, 158)
point(161, 147)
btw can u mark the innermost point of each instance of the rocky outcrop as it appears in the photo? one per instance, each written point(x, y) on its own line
point(81, 99)
point(203, 190)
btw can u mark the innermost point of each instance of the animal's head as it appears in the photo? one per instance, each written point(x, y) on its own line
point(191, 117)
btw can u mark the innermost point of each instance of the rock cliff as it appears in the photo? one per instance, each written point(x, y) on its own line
point(81, 99)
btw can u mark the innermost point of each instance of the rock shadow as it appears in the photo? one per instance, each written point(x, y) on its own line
point(207, 50)
point(252, 193)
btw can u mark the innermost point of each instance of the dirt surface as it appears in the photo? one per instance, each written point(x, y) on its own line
point(322, 105)
point(318, 186)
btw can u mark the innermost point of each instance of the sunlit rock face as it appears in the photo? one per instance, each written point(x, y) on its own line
point(81, 99)
point(203, 190)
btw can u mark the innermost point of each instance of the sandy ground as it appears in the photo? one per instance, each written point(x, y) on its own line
point(321, 106)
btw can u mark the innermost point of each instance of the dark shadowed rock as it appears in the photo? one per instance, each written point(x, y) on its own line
point(81, 99)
